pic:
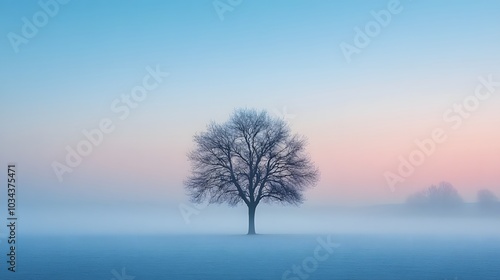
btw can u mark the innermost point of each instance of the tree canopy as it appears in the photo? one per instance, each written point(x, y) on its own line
point(249, 159)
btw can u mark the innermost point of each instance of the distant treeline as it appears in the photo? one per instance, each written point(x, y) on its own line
point(445, 197)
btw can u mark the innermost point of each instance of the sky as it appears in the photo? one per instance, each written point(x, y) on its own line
point(362, 109)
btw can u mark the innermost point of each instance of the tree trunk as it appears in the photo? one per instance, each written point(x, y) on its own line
point(251, 219)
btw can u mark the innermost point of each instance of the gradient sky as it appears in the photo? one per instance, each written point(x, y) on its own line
point(359, 117)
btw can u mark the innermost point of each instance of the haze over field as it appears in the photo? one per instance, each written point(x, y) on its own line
point(362, 118)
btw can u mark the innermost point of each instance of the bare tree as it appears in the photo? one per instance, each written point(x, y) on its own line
point(249, 159)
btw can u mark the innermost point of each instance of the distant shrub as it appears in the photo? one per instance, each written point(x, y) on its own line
point(487, 199)
point(443, 196)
